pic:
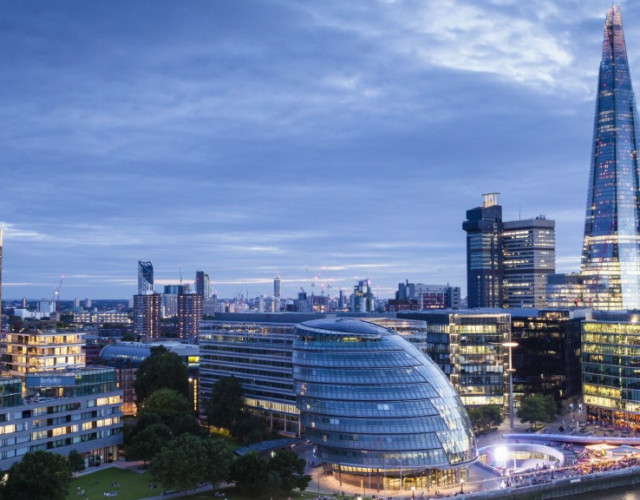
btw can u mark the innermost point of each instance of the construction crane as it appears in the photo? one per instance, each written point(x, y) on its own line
point(56, 294)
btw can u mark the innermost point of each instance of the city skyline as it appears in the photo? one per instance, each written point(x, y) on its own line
point(323, 142)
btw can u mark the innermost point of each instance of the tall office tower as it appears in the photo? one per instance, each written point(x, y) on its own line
point(528, 257)
point(145, 277)
point(189, 315)
point(611, 250)
point(276, 286)
point(147, 316)
point(202, 284)
point(362, 299)
point(484, 253)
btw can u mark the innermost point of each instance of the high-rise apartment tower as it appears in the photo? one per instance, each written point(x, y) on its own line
point(145, 277)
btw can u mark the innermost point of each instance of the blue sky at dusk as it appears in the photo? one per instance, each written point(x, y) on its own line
point(245, 138)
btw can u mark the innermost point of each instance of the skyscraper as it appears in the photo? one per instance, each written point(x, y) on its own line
point(484, 253)
point(189, 315)
point(611, 251)
point(145, 277)
point(276, 286)
point(528, 257)
point(202, 284)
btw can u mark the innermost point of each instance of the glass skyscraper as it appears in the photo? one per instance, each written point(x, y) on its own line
point(611, 251)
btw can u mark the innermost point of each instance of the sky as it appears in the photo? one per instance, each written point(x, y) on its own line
point(326, 141)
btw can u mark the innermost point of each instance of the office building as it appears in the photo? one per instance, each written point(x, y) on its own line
point(484, 253)
point(145, 277)
point(72, 410)
point(100, 318)
point(528, 257)
point(189, 315)
point(547, 357)
point(170, 299)
point(418, 296)
point(256, 349)
point(467, 347)
point(202, 284)
point(38, 351)
point(611, 251)
point(565, 291)
point(147, 316)
point(375, 407)
point(276, 287)
point(610, 359)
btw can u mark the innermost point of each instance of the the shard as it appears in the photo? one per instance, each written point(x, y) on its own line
point(611, 251)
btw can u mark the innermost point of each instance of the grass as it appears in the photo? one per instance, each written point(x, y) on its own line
point(133, 485)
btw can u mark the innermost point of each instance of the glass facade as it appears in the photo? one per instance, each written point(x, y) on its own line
point(372, 403)
point(611, 251)
point(611, 370)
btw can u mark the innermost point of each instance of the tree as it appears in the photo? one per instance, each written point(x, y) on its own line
point(161, 370)
point(190, 460)
point(249, 428)
point(220, 458)
point(226, 405)
point(76, 462)
point(39, 475)
point(148, 442)
point(253, 477)
point(290, 470)
point(486, 416)
point(166, 402)
point(537, 408)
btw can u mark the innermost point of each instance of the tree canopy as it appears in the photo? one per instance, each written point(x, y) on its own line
point(39, 475)
point(190, 460)
point(485, 417)
point(537, 408)
point(163, 369)
point(226, 405)
point(76, 462)
point(290, 470)
point(148, 442)
point(166, 402)
point(253, 477)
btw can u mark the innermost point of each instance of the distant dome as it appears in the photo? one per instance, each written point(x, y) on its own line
point(371, 400)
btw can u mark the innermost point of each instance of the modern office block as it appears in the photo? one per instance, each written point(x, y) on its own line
point(145, 277)
point(484, 253)
point(547, 357)
point(202, 284)
point(565, 291)
point(256, 349)
point(374, 405)
point(528, 257)
point(147, 316)
point(467, 347)
point(610, 360)
point(611, 250)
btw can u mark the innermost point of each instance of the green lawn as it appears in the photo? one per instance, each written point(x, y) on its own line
point(133, 486)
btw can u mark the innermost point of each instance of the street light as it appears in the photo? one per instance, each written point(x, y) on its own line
point(461, 483)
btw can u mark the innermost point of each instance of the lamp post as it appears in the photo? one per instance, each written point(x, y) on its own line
point(461, 483)
point(510, 345)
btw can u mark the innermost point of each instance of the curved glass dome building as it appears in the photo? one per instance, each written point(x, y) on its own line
point(374, 405)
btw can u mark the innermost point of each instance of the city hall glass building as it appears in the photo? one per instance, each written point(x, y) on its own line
point(378, 409)
point(611, 251)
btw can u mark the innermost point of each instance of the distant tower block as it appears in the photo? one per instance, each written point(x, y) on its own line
point(145, 277)
point(276, 287)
